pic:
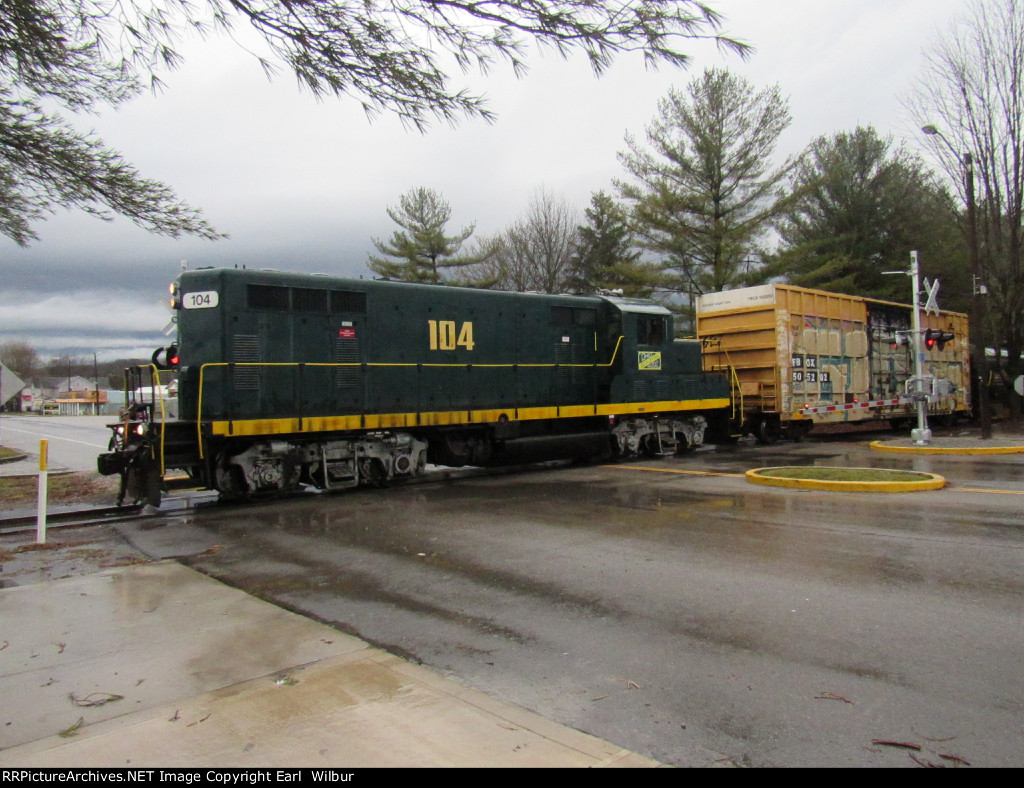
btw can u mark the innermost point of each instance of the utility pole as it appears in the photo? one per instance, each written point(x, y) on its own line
point(979, 363)
point(95, 386)
point(979, 355)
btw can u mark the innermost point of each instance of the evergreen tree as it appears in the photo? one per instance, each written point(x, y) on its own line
point(421, 247)
point(860, 207)
point(705, 191)
point(605, 257)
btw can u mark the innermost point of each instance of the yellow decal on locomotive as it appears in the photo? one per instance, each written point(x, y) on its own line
point(647, 359)
point(443, 335)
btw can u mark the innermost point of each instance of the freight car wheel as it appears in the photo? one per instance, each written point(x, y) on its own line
point(768, 432)
point(797, 431)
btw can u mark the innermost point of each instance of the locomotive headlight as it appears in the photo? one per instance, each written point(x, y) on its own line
point(140, 430)
point(173, 288)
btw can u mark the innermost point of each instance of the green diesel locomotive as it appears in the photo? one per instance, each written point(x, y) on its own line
point(286, 380)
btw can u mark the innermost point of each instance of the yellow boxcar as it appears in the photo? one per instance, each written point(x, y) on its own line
point(798, 357)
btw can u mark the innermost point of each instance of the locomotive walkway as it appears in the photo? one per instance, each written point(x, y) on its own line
point(156, 665)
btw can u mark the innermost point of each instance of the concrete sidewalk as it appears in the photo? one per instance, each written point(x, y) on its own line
point(156, 665)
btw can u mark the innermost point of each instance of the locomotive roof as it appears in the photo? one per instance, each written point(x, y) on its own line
point(634, 305)
point(637, 305)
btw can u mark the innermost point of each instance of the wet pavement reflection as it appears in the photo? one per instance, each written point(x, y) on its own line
point(662, 608)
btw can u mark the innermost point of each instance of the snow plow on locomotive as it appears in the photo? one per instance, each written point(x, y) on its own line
point(287, 380)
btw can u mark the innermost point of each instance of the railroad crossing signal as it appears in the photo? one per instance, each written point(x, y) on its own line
point(936, 338)
point(931, 289)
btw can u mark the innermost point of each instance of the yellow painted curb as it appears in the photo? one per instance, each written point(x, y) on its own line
point(930, 481)
point(881, 446)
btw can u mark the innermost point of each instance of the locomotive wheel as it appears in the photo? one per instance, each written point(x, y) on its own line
point(649, 446)
point(230, 481)
point(684, 446)
point(372, 472)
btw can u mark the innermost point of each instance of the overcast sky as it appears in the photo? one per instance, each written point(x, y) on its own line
point(303, 185)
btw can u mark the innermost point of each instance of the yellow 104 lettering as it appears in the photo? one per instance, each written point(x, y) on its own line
point(446, 335)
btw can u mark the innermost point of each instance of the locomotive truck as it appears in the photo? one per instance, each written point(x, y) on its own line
point(287, 380)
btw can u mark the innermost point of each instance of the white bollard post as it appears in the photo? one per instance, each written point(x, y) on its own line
point(41, 496)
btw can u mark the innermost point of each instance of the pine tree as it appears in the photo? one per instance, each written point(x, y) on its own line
point(605, 257)
point(860, 207)
point(705, 191)
point(421, 248)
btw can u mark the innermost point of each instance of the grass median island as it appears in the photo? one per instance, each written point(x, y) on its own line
point(844, 474)
point(6, 453)
point(846, 479)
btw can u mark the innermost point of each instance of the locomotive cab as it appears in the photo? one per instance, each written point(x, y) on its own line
point(664, 376)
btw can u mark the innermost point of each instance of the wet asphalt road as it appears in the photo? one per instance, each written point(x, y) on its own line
point(73, 441)
point(694, 618)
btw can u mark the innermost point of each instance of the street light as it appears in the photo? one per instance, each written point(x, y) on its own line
point(979, 362)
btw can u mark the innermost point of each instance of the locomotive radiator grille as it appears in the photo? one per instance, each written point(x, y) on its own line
point(245, 349)
point(346, 351)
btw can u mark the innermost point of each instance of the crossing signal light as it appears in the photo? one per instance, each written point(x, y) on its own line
point(167, 357)
point(935, 338)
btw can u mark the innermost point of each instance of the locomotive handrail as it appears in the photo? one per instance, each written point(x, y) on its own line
point(154, 385)
point(203, 367)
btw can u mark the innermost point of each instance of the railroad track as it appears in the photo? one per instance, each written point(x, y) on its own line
point(174, 505)
point(102, 515)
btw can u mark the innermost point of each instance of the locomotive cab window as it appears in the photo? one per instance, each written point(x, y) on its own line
point(650, 330)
